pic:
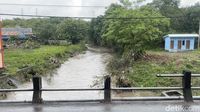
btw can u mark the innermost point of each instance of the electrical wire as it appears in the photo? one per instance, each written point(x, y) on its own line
point(85, 17)
point(50, 5)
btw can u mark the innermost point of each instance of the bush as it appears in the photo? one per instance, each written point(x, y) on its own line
point(30, 44)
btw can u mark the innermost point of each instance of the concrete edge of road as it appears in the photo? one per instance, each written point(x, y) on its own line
point(29, 103)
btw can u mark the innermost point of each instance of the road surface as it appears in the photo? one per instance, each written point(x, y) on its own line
point(137, 106)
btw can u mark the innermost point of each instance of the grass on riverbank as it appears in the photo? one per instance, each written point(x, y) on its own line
point(40, 60)
point(143, 72)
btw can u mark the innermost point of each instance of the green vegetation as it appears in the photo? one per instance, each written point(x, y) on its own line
point(27, 62)
point(188, 17)
point(128, 36)
point(132, 36)
point(71, 30)
point(143, 72)
point(135, 33)
point(156, 62)
point(25, 58)
point(132, 31)
point(54, 40)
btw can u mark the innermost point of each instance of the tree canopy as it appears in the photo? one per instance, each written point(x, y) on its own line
point(72, 30)
point(130, 35)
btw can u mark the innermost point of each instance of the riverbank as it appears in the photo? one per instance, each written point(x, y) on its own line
point(80, 71)
point(142, 73)
point(21, 64)
point(98, 49)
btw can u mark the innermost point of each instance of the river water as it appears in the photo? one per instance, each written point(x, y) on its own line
point(80, 71)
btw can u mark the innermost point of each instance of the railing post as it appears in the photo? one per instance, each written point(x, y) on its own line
point(37, 86)
point(107, 89)
point(186, 83)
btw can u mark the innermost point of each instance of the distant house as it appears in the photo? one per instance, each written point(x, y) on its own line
point(181, 42)
point(21, 33)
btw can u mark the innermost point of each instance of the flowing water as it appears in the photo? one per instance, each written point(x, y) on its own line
point(80, 71)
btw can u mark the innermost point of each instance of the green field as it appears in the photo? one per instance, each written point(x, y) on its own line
point(157, 62)
point(143, 72)
point(40, 60)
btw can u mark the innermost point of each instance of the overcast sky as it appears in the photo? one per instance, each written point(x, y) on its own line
point(64, 11)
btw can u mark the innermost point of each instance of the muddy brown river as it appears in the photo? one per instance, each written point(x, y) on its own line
point(80, 71)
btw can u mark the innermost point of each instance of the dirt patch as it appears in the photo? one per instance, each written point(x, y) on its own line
point(157, 58)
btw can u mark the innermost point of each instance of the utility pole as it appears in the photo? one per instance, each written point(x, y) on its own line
point(36, 12)
point(22, 12)
point(199, 34)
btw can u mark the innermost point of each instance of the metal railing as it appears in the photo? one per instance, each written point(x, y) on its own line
point(186, 88)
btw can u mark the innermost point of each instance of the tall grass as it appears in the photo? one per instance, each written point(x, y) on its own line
point(143, 72)
point(40, 59)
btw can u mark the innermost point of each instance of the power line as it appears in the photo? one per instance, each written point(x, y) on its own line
point(50, 5)
point(29, 15)
point(85, 17)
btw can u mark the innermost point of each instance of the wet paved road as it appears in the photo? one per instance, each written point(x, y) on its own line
point(156, 106)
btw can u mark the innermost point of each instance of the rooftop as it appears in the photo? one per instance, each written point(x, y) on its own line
point(16, 31)
point(181, 35)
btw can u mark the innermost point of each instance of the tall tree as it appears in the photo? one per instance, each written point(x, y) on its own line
point(170, 8)
point(95, 31)
point(191, 21)
point(72, 30)
point(132, 36)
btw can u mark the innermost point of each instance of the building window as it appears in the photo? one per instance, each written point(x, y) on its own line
point(183, 42)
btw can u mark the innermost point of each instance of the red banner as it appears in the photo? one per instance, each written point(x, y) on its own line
point(1, 47)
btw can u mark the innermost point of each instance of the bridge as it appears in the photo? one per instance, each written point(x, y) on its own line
point(187, 102)
point(136, 106)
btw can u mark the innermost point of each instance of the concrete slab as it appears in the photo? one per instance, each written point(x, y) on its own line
point(136, 106)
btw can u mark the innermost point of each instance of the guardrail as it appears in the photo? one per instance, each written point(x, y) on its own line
point(186, 88)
